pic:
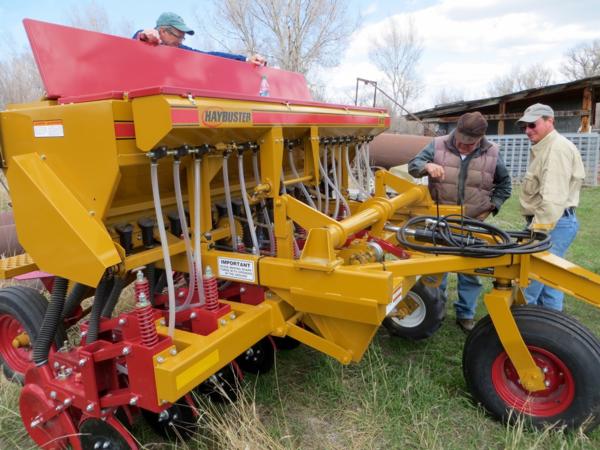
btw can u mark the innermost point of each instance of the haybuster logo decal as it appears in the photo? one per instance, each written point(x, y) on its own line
point(216, 117)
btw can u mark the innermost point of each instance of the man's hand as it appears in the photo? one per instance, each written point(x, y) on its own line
point(257, 60)
point(541, 227)
point(150, 36)
point(435, 170)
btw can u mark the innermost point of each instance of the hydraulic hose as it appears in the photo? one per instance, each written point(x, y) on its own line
point(100, 299)
point(323, 167)
point(164, 245)
point(232, 230)
point(336, 182)
point(353, 179)
point(41, 347)
point(463, 236)
point(255, 247)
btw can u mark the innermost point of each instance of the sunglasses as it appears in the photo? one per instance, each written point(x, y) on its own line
point(531, 126)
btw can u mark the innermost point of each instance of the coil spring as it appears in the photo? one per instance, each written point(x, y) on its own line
point(141, 286)
point(211, 290)
point(145, 316)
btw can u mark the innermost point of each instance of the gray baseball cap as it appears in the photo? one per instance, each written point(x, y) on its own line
point(169, 19)
point(534, 112)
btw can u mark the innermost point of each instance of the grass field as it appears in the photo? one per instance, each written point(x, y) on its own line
point(403, 395)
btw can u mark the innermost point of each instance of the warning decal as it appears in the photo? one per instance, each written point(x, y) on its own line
point(48, 128)
point(237, 269)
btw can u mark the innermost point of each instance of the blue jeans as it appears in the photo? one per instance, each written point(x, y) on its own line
point(468, 287)
point(561, 236)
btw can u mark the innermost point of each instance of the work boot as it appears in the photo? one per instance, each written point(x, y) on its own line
point(466, 324)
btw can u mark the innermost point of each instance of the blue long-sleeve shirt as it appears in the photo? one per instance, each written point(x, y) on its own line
point(220, 54)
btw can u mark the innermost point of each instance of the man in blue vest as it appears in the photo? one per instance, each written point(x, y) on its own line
point(171, 30)
point(464, 168)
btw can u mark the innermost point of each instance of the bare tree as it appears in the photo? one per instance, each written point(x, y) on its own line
point(519, 79)
point(396, 52)
point(294, 34)
point(19, 79)
point(92, 16)
point(448, 95)
point(582, 61)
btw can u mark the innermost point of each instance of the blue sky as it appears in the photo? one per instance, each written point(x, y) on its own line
point(467, 43)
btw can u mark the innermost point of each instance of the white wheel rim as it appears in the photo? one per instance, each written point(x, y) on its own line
point(417, 317)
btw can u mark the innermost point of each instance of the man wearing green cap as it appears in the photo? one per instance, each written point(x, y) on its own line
point(550, 191)
point(171, 30)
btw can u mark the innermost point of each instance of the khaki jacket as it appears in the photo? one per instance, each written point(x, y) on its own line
point(553, 180)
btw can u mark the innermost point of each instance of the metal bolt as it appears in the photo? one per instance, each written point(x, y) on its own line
point(68, 371)
point(56, 365)
point(35, 423)
point(52, 395)
point(83, 334)
point(160, 359)
point(82, 362)
point(126, 350)
point(92, 213)
point(104, 411)
point(43, 157)
point(232, 316)
point(269, 295)
point(223, 322)
point(193, 315)
point(164, 415)
point(545, 370)
point(162, 322)
point(242, 290)
point(180, 294)
point(133, 401)
point(67, 401)
point(58, 408)
point(547, 383)
point(106, 444)
point(122, 321)
point(90, 407)
point(97, 445)
point(163, 402)
point(173, 351)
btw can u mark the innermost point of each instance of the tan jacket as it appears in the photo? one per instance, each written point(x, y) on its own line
point(553, 180)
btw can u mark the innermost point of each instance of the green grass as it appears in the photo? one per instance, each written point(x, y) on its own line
point(402, 395)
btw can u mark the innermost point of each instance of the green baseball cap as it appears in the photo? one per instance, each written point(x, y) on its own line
point(169, 19)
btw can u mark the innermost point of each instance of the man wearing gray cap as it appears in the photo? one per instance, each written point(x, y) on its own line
point(464, 168)
point(550, 191)
point(170, 30)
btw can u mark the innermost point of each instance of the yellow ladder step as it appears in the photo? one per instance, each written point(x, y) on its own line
point(16, 265)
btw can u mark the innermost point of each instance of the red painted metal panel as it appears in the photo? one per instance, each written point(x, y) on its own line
point(83, 65)
point(317, 119)
point(124, 130)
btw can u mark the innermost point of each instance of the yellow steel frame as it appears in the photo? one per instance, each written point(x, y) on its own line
point(89, 179)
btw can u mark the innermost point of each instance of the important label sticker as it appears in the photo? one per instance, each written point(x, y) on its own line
point(48, 129)
point(237, 269)
point(396, 297)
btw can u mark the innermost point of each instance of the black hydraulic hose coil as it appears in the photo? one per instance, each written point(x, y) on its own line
point(74, 299)
point(52, 317)
point(113, 297)
point(102, 292)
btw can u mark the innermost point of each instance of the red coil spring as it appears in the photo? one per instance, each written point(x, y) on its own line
point(211, 292)
point(141, 285)
point(145, 316)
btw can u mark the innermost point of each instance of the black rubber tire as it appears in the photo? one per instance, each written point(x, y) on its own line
point(424, 321)
point(259, 358)
point(285, 343)
point(569, 343)
point(179, 422)
point(27, 306)
point(222, 387)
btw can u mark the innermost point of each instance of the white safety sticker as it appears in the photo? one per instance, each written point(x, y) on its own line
point(237, 269)
point(48, 128)
point(396, 297)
